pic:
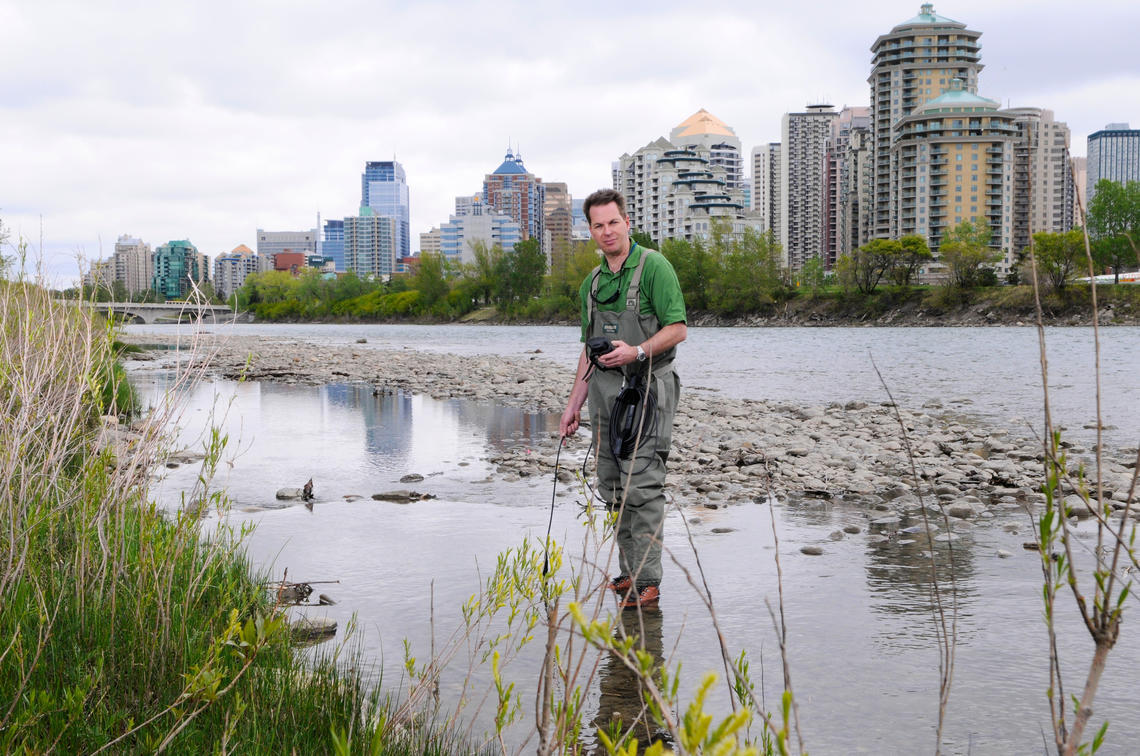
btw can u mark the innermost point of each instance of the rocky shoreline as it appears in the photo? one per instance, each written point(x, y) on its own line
point(724, 450)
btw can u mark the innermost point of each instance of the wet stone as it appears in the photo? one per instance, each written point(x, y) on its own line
point(811, 550)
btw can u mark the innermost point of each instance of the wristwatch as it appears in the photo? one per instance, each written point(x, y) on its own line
point(640, 354)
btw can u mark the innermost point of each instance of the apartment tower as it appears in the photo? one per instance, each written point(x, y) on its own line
point(803, 168)
point(912, 64)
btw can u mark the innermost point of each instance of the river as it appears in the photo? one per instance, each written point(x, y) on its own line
point(862, 649)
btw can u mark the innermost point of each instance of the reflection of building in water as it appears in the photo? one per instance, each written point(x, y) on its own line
point(503, 425)
point(387, 416)
point(621, 703)
point(899, 572)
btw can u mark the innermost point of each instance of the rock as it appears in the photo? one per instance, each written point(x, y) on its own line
point(307, 629)
point(352, 497)
point(288, 494)
point(811, 550)
point(835, 535)
point(411, 478)
point(723, 530)
point(362, 341)
point(852, 529)
point(1075, 506)
point(324, 600)
point(402, 497)
point(960, 509)
point(1004, 554)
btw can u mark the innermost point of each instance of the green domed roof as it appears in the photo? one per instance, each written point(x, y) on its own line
point(926, 16)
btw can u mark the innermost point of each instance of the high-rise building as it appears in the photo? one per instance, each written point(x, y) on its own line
point(841, 189)
point(332, 245)
point(231, 269)
point(133, 264)
point(429, 242)
point(1043, 188)
point(679, 191)
point(1113, 154)
point(384, 189)
point(855, 176)
point(581, 230)
point(178, 265)
point(100, 275)
point(803, 185)
point(269, 243)
point(766, 185)
point(480, 223)
point(1080, 170)
point(703, 129)
point(914, 63)
point(954, 156)
point(370, 244)
point(513, 191)
point(558, 219)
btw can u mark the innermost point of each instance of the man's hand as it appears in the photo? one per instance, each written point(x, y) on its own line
point(569, 422)
point(622, 354)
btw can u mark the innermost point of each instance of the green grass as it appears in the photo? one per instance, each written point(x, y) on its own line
point(123, 627)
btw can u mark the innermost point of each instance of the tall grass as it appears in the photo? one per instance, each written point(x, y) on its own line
point(124, 629)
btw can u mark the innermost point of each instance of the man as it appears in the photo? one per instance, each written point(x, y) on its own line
point(632, 299)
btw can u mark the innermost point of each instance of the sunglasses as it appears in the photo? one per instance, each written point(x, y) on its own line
point(609, 300)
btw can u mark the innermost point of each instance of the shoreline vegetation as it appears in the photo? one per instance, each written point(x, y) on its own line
point(889, 307)
point(127, 629)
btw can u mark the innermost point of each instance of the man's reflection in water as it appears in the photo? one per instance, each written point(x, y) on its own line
point(621, 705)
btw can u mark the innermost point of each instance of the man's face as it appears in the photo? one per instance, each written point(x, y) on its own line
point(609, 228)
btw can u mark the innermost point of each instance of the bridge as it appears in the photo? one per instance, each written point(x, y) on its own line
point(167, 312)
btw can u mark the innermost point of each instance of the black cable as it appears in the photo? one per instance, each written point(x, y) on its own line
point(550, 523)
point(647, 429)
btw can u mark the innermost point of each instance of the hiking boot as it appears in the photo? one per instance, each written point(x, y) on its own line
point(621, 584)
point(647, 596)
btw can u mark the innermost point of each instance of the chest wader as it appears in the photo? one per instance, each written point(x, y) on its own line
point(634, 486)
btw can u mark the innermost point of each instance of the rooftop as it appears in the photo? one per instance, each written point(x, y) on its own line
point(702, 122)
point(957, 97)
point(926, 16)
point(512, 164)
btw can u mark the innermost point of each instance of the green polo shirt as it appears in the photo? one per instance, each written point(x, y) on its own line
point(660, 291)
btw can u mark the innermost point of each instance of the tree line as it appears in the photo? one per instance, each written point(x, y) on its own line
point(725, 274)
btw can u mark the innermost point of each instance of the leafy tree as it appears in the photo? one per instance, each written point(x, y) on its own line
point(1114, 224)
point(747, 274)
point(482, 273)
point(913, 253)
point(1059, 255)
point(693, 263)
point(430, 280)
point(527, 269)
point(812, 275)
point(644, 239)
point(868, 264)
point(569, 270)
point(965, 249)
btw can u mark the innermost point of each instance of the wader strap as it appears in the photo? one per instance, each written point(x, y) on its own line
point(633, 293)
point(593, 293)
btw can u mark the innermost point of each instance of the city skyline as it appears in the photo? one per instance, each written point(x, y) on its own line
point(122, 129)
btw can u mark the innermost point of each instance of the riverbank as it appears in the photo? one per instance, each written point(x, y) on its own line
point(888, 306)
point(725, 450)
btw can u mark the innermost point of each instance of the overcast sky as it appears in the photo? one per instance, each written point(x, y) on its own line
point(208, 120)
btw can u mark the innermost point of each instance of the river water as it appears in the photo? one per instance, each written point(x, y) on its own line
point(861, 640)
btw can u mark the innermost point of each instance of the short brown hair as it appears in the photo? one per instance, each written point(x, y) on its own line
point(604, 197)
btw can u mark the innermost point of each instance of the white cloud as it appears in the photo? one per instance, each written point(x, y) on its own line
point(206, 120)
